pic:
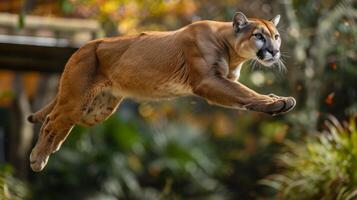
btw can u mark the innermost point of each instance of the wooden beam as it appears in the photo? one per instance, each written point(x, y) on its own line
point(51, 23)
point(33, 57)
point(43, 54)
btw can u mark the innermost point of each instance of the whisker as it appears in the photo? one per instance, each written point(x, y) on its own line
point(284, 56)
point(256, 65)
point(284, 53)
point(253, 65)
point(280, 66)
point(283, 60)
point(283, 67)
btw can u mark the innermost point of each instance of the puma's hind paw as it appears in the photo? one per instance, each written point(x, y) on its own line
point(38, 160)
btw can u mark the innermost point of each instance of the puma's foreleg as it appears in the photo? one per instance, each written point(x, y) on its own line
point(222, 91)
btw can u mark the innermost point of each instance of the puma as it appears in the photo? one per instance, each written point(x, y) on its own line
point(203, 59)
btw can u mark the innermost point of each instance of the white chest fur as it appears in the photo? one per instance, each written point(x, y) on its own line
point(235, 73)
point(230, 73)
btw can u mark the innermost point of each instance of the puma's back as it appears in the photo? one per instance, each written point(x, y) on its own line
point(150, 65)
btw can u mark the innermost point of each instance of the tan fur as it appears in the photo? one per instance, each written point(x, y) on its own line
point(203, 59)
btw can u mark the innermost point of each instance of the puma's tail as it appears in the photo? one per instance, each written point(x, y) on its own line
point(39, 116)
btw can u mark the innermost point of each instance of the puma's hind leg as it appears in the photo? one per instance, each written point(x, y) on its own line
point(53, 132)
point(80, 83)
point(101, 106)
point(95, 107)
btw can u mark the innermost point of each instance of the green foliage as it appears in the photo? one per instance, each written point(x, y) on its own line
point(6, 94)
point(10, 187)
point(126, 16)
point(323, 168)
point(128, 158)
point(21, 20)
point(116, 160)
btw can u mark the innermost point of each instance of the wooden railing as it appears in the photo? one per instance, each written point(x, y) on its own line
point(44, 44)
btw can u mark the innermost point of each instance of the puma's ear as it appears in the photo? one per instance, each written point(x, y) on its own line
point(239, 21)
point(275, 20)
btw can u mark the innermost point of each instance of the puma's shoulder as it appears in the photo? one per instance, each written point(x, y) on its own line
point(201, 29)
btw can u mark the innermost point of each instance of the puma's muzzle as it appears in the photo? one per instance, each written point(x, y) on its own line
point(268, 57)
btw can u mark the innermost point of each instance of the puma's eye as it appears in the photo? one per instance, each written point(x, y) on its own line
point(259, 36)
point(277, 37)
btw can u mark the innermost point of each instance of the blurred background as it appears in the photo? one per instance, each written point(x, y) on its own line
point(184, 148)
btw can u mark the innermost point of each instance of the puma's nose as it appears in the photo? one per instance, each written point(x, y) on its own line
point(274, 52)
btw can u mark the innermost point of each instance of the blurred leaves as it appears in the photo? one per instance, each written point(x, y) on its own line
point(132, 164)
point(323, 168)
point(130, 17)
point(21, 20)
point(11, 188)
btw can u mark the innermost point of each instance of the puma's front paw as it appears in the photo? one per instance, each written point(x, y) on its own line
point(272, 104)
point(273, 96)
point(281, 105)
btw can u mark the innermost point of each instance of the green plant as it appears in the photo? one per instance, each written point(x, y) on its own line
point(115, 160)
point(10, 187)
point(324, 168)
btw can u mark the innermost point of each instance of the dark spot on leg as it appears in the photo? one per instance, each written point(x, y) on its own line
point(89, 110)
point(112, 99)
point(51, 137)
point(96, 119)
point(55, 116)
point(62, 102)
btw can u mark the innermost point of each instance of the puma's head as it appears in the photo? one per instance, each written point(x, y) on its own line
point(259, 38)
